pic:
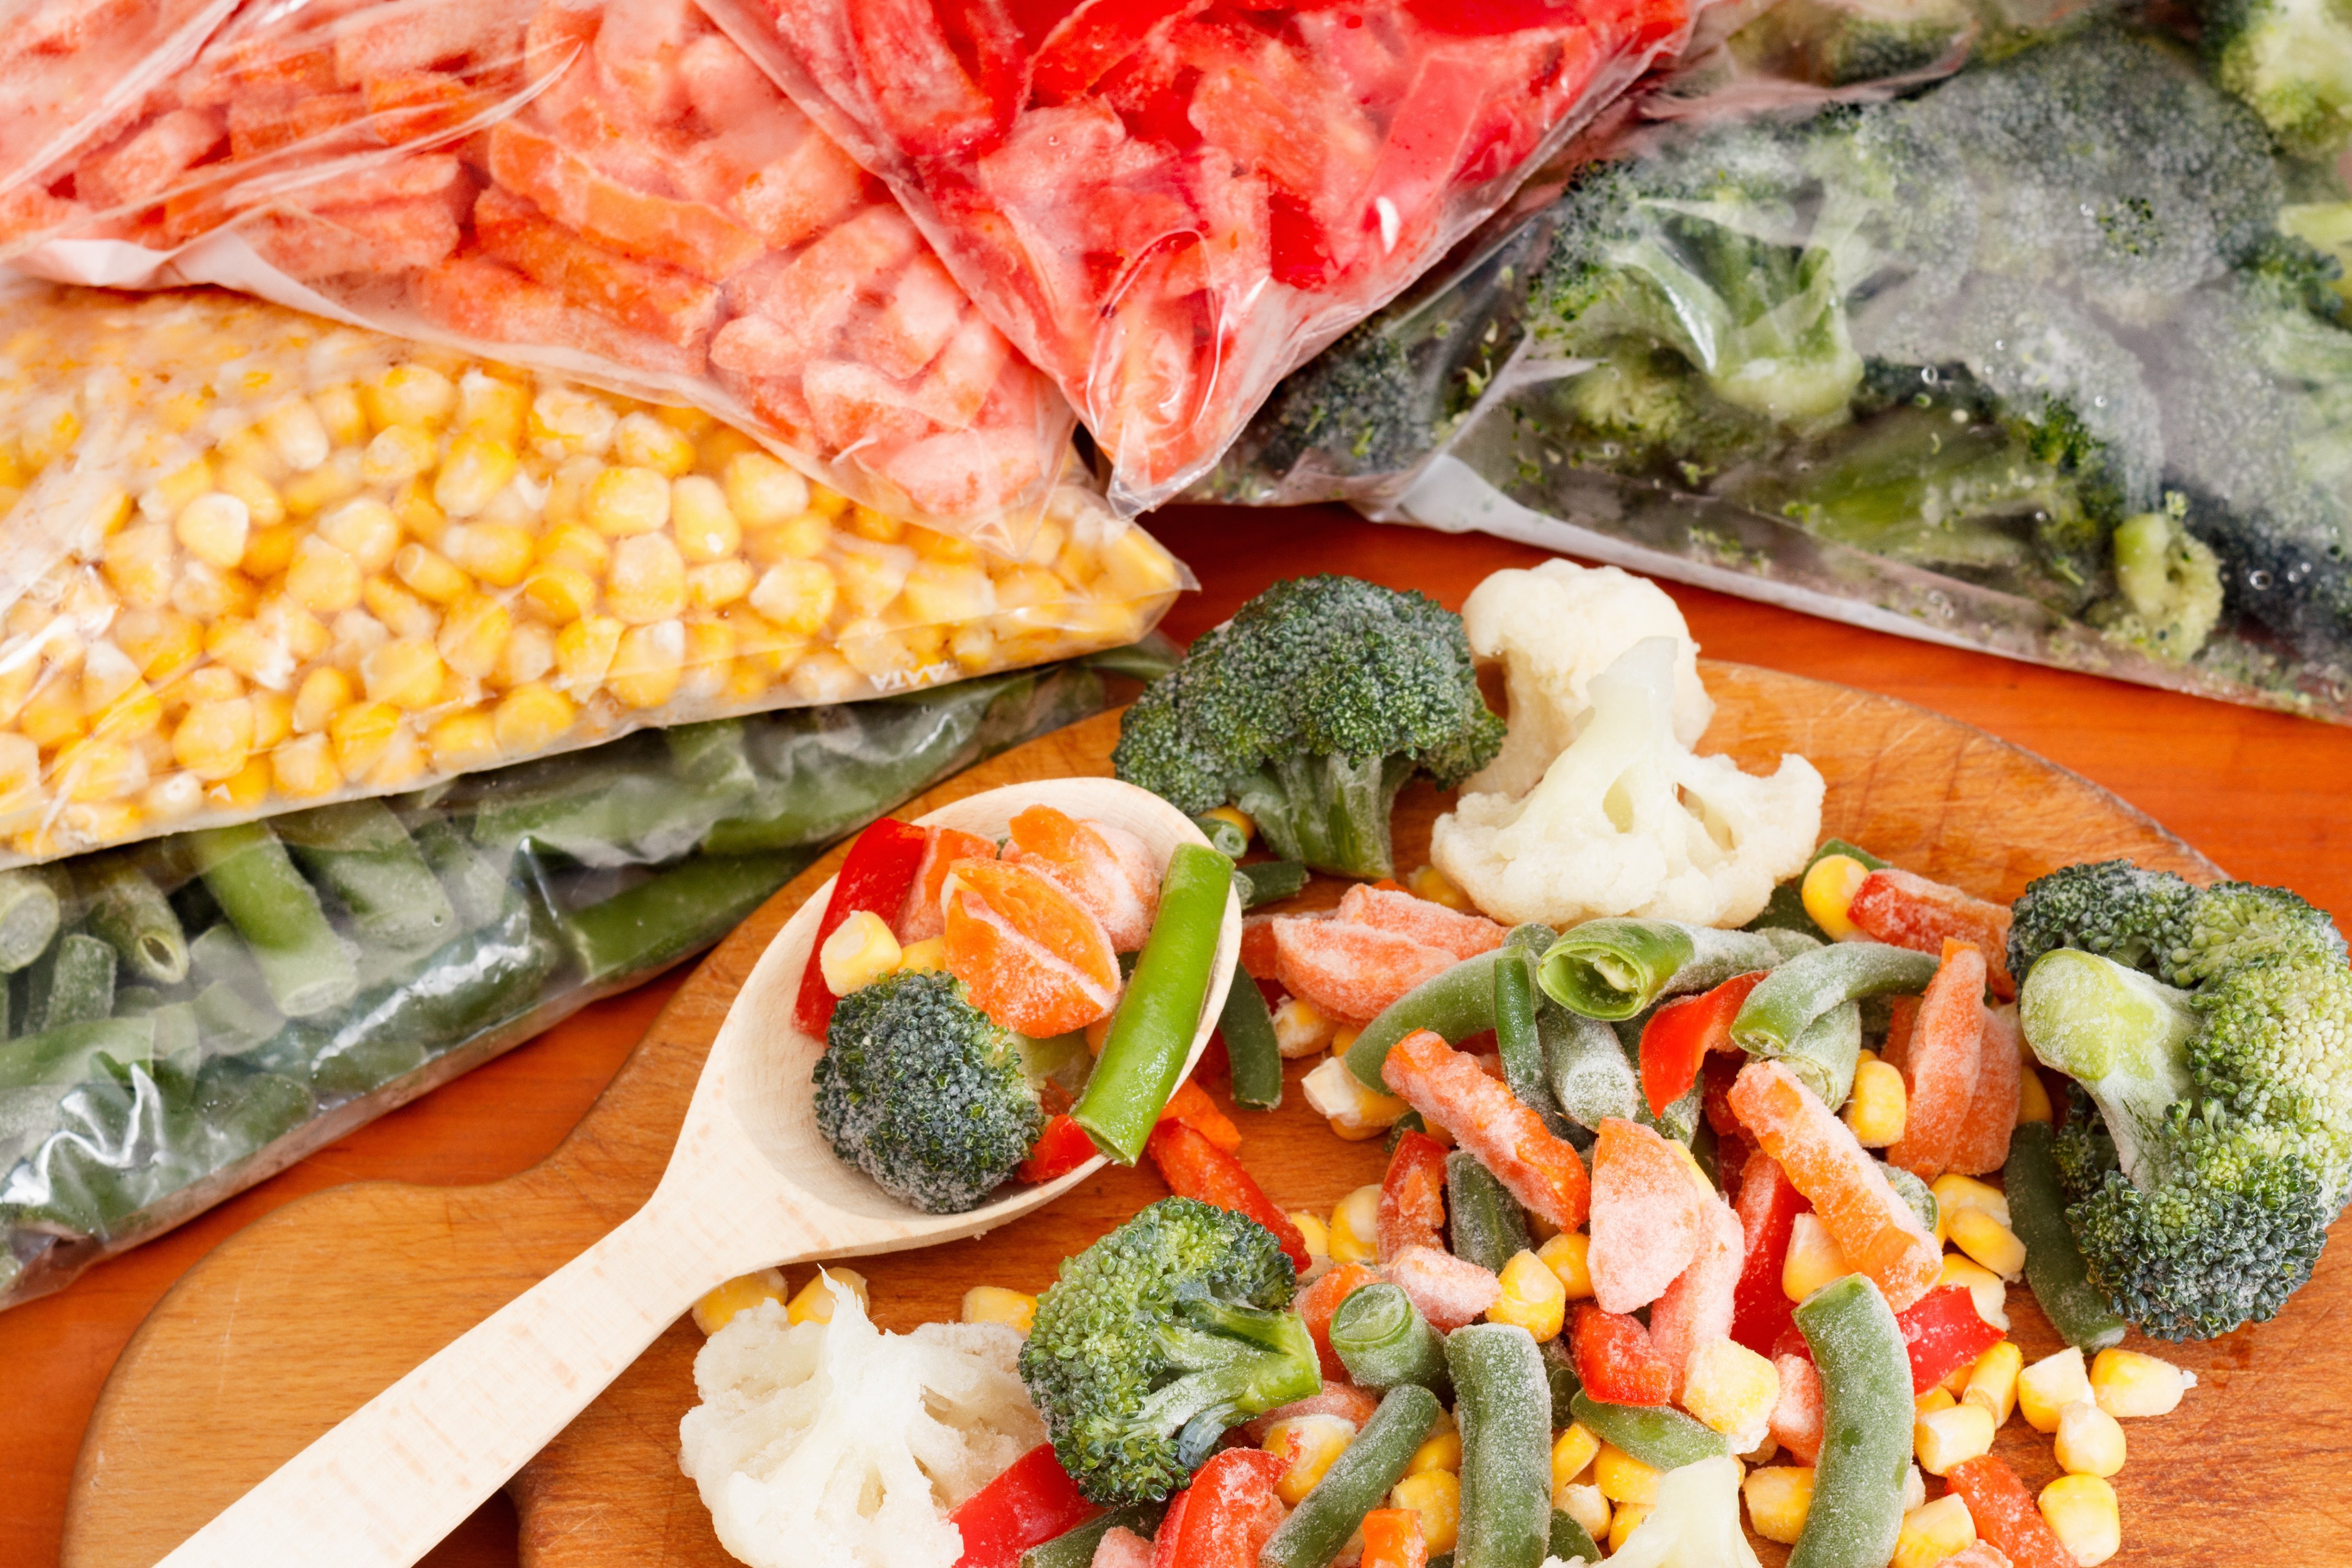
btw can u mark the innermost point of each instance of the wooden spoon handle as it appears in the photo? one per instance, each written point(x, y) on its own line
point(406, 1469)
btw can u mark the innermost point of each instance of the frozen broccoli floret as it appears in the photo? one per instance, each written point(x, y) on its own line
point(2167, 588)
point(1839, 43)
point(2291, 60)
point(1357, 402)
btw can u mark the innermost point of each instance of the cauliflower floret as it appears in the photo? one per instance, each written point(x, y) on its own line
point(1695, 1523)
point(1628, 820)
point(1554, 628)
point(837, 1443)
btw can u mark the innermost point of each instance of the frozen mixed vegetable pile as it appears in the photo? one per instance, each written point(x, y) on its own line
point(1688, 1229)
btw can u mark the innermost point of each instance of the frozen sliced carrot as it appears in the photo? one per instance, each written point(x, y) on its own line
point(812, 295)
point(1033, 959)
point(691, 236)
point(923, 917)
point(725, 85)
point(485, 298)
point(1872, 1225)
point(258, 66)
point(1350, 971)
point(661, 301)
point(1697, 1307)
point(421, 105)
point(956, 388)
point(1795, 1420)
point(1430, 923)
point(1319, 1299)
point(2006, 1513)
point(396, 40)
point(383, 237)
point(1260, 957)
point(798, 191)
point(1413, 1196)
point(1940, 1073)
point(261, 125)
point(1902, 1017)
point(1907, 909)
point(636, 57)
point(1449, 1291)
point(1450, 1090)
point(906, 331)
point(1106, 868)
point(1191, 1106)
point(1647, 1222)
point(146, 162)
point(855, 405)
point(1983, 1142)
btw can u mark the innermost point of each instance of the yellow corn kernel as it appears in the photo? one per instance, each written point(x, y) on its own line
point(323, 694)
point(1993, 1380)
point(107, 673)
point(1623, 1477)
point(244, 789)
point(420, 518)
point(1313, 1234)
point(1582, 1502)
point(1732, 1389)
point(496, 553)
point(162, 643)
point(927, 954)
point(213, 527)
point(94, 771)
point(477, 468)
point(269, 550)
point(1355, 1227)
point(2080, 1511)
point(409, 394)
point(176, 795)
point(648, 581)
point(1814, 1259)
point(214, 739)
point(2130, 1383)
point(247, 448)
point(403, 613)
point(529, 719)
point(1942, 1438)
point(1934, 1399)
point(53, 715)
point(716, 585)
point(323, 579)
point(1137, 566)
point(740, 1294)
point(584, 650)
point(880, 527)
point(462, 741)
point(2049, 1386)
point(1778, 1498)
point(1354, 1111)
point(560, 593)
point(1622, 1524)
point(648, 662)
point(1983, 1286)
point(797, 596)
point(529, 655)
point(860, 951)
point(1955, 1192)
point(1532, 1298)
point(429, 575)
point(337, 478)
point(1300, 1028)
point(364, 529)
point(1828, 892)
point(1571, 1451)
point(705, 528)
point(296, 435)
point(796, 539)
point(2033, 1099)
point(575, 544)
point(1932, 1532)
point(1309, 1445)
point(2090, 1442)
point(622, 501)
point(397, 454)
point(1566, 1256)
point(137, 563)
point(1438, 1451)
point(1877, 1108)
point(1988, 1242)
point(566, 422)
point(273, 719)
point(473, 635)
point(493, 406)
point(645, 442)
point(161, 502)
point(1429, 882)
point(815, 1302)
point(362, 734)
point(1436, 1497)
point(1015, 1310)
point(340, 411)
point(870, 576)
point(407, 673)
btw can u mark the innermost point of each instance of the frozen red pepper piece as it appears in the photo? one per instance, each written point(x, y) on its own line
point(873, 878)
point(1225, 1516)
point(1191, 1106)
point(1943, 1333)
point(1906, 910)
point(1413, 1196)
point(1677, 1039)
point(1769, 1206)
point(2006, 1513)
point(1031, 1503)
point(1060, 1149)
point(1315, 1304)
point(1614, 1360)
point(1195, 1168)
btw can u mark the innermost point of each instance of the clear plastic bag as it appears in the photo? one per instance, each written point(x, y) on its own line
point(253, 561)
point(1168, 206)
point(190, 1016)
point(611, 191)
point(2052, 358)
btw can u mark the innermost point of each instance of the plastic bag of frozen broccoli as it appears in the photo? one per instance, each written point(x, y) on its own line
point(186, 1016)
point(2052, 357)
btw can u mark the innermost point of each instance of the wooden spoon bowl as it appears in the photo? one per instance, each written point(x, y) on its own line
point(750, 1184)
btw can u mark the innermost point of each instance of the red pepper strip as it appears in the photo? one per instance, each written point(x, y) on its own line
point(1031, 1503)
point(1761, 1313)
point(1393, 1539)
point(875, 878)
point(1191, 1106)
point(1721, 1071)
point(1675, 1040)
point(1614, 1360)
point(2006, 1513)
point(1906, 910)
point(1413, 1196)
point(1315, 1304)
point(1943, 1333)
point(1225, 1516)
point(1062, 1147)
point(1195, 1168)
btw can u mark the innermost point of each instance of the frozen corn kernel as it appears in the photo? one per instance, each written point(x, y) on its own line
point(1436, 1497)
point(797, 596)
point(365, 530)
point(1988, 1242)
point(700, 518)
point(2049, 1386)
point(623, 500)
point(1438, 1451)
point(1623, 1523)
point(1942, 1438)
point(1932, 1532)
point(929, 954)
point(1571, 1453)
point(1993, 1380)
point(297, 436)
point(1309, 1445)
point(813, 1304)
point(1355, 1227)
point(2080, 1511)
point(214, 528)
point(1429, 882)
point(362, 734)
point(1876, 1109)
point(1623, 1477)
point(304, 768)
point(1985, 1288)
point(1779, 1497)
point(1313, 1234)
point(1732, 1389)
point(1828, 892)
point(410, 394)
point(1814, 1259)
point(1932, 1400)
point(1015, 1310)
point(647, 580)
point(643, 441)
point(1354, 1111)
point(1532, 1298)
point(491, 406)
point(740, 1294)
point(1583, 1503)
point(2033, 1099)
point(2090, 1442)
point(462, 741)
point(1568, 1256)
point(2130, 1383)
point(214, 739)
point(648, 664)
point(584, 650)
point(531, 717)
point(1300, 1028)
point(1955, 1192)
point(860, 951)
point(407, 673)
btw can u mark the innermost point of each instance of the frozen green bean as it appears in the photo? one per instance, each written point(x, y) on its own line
point(1613, 968)
point(307, 967)
point(1356, 1482)
point(1456, 1003)
point(674, 911)
point(128, 910)
point(1076, 1548)
point(1385, 1341)
point(1660, 1436)
point(1490, 1227)
point(1503, 1405)
point(1867, 1412)
point(65, 1054)
point(2077, 1309)
point(358, 852)
point(1250, 1050)
point(70, 983)
point(1225, 837)
point(1519, 1040)
point(1592, 1077)
point(1570, 1541)
point(1264, 881)
point(1778, 1019)
point(28, 917)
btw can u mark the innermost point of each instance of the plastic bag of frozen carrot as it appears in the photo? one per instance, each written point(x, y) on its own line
point(607, 188)
point(252, 560)
point(1171, 203)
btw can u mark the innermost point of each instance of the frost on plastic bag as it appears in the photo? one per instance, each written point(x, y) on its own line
point(608, 190)
point(2051, 359)
point(186, 1016)
point(252, 560)
point(1168, 208)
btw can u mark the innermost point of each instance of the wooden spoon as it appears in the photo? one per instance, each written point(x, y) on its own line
point(752, 1184)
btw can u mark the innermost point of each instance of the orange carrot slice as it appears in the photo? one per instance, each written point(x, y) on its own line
point(1032, 958)
point(1350, 971)
point(1450, 1090)
point(1646, 1219)
point(1983, 1141)
point(1947, 1048)
point(1107, 870)
point(1430, 923)
point(1697, 1307)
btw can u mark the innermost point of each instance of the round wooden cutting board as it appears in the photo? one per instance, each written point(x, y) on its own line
point(300, 1319)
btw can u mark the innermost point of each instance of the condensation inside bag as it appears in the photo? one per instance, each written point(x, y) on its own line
point(188, 1015)
point(252, 560)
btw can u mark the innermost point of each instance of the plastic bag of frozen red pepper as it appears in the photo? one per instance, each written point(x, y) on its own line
point(1171, 203)
point(609, 190)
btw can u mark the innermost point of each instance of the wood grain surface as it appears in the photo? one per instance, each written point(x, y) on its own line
point(2261, 792)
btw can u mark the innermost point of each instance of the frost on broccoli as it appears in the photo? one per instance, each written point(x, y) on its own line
point(2291, 60)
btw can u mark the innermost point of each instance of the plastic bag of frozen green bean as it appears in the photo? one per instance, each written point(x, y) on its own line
point(190, 1014)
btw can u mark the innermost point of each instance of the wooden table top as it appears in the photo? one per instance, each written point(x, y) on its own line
point(2262, 794)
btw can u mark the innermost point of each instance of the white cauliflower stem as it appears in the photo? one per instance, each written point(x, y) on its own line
point(837, 1443)
point(1627, 820)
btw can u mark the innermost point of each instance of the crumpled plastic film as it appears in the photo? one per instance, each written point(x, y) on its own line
point(252, 560)
point(606, 190)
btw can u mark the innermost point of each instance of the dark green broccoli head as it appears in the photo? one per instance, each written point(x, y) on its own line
point(919, 1090)
point(1156, 1338)
point(1357, 404)
point(2291, 60)
point(1309, 709)
point(2112, 908)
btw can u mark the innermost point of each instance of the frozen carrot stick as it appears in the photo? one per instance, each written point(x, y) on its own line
point(1947, 1048)
point(1510, 1139)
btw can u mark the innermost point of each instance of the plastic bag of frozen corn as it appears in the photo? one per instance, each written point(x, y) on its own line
point(252, 561)
point(608, 189)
